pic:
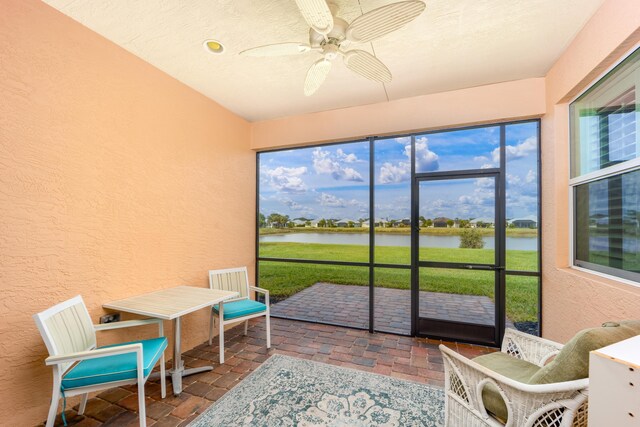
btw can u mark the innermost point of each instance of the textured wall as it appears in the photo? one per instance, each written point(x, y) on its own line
point(115, 180)
point(490, 103)
point(573, 300)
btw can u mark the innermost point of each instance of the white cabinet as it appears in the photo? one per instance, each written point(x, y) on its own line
point(614, 385)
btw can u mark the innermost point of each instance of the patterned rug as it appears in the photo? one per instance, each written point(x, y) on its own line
point(286, 391)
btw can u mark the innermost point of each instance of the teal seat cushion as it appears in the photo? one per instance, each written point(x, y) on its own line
point(240, 308)
point(116, 367)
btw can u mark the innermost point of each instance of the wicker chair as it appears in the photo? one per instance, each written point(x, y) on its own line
point(532, 382)
point(528, 405)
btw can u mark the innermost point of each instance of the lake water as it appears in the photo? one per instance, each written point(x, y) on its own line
point(426, 240)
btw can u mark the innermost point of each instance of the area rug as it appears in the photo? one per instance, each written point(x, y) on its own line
point(286, 391)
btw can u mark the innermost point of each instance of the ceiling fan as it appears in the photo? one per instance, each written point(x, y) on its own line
point(331, 35)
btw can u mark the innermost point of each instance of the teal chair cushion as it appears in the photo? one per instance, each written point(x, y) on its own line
point(116, 367)
point(240, 308)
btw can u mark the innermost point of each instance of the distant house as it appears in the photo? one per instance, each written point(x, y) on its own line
point(525, 222)
point(482, 223)
point(299, 223)
point(405, 222)
point(379, 223)
point(441, 222)
point(345, 223)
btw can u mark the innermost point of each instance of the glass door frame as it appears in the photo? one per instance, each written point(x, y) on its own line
point(448, 329)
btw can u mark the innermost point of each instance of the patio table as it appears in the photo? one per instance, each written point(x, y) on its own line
point(172, 304)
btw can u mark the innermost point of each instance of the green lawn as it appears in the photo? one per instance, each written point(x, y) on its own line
point(285, 279)
point(516, 260)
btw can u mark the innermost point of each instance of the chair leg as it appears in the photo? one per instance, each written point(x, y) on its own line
point(53, 409)
point(246, 327)
point(268, 327)
point(211, 328)
point(163, 378)
point(142, 409)
point(221, 339)
point(83, 403)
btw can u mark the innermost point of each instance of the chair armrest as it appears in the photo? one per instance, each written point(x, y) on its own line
point(125, 324)
point(131, 323)
point(466, 379)
point(262, 291)
point(528, 347)
point(93, 354)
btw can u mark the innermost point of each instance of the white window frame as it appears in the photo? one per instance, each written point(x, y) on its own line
point(627, 166)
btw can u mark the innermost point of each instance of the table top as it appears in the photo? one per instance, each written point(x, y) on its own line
point(171, 303)
point(626, 352)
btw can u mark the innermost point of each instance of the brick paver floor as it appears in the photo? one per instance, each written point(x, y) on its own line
point(349, 305)
point(416, 359)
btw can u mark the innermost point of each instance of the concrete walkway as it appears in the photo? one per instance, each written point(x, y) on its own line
point(349, 305)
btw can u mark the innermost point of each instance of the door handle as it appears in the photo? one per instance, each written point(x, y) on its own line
point(483, 267)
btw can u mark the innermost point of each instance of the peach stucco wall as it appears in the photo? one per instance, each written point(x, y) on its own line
point(115, 179)
point(573, 300)
point(483, 104)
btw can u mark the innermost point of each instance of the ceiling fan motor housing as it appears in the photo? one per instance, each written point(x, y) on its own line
point(336, 36)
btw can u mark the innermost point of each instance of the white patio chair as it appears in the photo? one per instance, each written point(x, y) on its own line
point(238, 309)
point(531, 382)
point(80, 367)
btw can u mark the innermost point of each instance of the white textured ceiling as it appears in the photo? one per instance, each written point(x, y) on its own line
point(454, 44)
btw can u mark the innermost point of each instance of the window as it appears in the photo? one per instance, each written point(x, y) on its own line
point(605, 173)
point(335, 236)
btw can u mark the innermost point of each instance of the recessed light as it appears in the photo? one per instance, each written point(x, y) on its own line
point(213, 46)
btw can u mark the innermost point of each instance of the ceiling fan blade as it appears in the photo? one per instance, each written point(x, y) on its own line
point(278, 49)
point(317, 14)
point(383, 20)
point(316, 75)
point(367, 65)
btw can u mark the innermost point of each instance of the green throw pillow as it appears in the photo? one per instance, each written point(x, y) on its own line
point(572, 363)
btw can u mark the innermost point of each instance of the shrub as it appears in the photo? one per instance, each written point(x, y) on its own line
point(471, 238)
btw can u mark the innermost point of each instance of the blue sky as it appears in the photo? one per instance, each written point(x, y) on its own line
point(333, 181)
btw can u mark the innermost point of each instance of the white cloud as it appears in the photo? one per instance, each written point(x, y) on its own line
point(528, 146)
point(325, 163)
point(513, 179)
point(390, 173)
point(287, 180)
point(293, 205)
point(485, 182)
point(478, 198)
point(481, 159)
point(404, 140)
point(330, 200)
point(487, 166)
point(426, 161)
point(531, 176)
point(347, 158)
point(362, 206)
